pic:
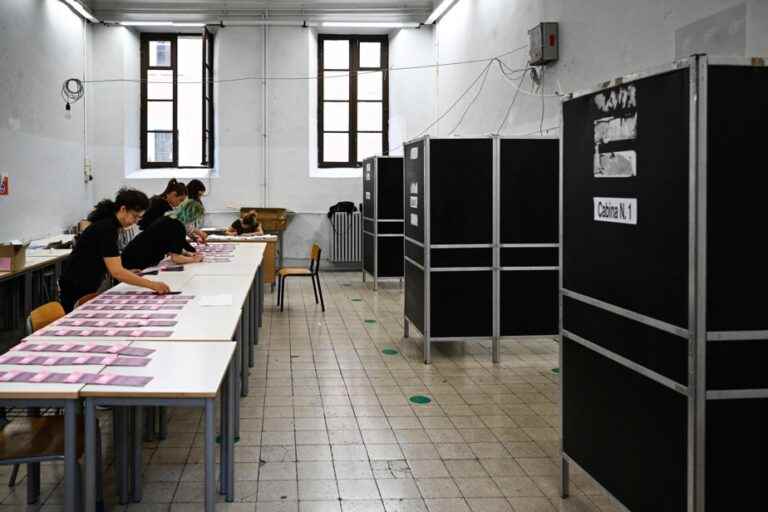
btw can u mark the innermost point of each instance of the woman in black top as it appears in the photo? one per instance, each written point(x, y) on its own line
point(96, 250)
point(165, 236)
point(173, 195)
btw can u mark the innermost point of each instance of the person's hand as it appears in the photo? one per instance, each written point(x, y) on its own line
point(159, 288)
point(203, 236)
point(197, 258)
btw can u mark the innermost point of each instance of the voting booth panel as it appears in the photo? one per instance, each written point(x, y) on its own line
point(382, 218)
point(664, 333)
point(481, 238)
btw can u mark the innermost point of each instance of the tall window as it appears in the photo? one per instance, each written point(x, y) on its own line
point(177, 100)
point(353, 101)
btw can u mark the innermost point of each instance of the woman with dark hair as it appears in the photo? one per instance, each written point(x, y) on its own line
point(96, 250)
point(248, 224)
point(195, 192)
point(174, 194)
point(165, 236)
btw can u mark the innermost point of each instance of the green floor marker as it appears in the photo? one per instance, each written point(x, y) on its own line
point(555, 370)
point(218, 439)
point(357, 300)
point(390, 352)
point(369, 321)
point(420, 399)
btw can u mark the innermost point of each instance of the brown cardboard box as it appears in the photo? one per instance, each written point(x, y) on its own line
point(13, 257)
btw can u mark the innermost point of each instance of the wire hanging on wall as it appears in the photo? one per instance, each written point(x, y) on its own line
point(71, 90)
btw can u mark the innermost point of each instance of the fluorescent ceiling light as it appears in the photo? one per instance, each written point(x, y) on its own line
point(439, 11)
point(81, 10)
point(370, 24)
point(160, 24)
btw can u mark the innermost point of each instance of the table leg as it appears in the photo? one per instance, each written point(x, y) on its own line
point(261, 296)
point(236, 377)
point(210, 462)
point(138, 448)
point(223, 419)
point(27, 294)
point(248, 328)
point(70, 457)
point(244, 363)
point(122, 451)
point(162, 429)
point(90, 456)
point(255, 311)
point(232, 427)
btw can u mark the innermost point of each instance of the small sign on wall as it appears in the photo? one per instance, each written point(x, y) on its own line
point(414, 201)
point(415, 153)
point(367, 196)
point(619, 210)
point(4, 184)
point(414, 219)
point(414, 187)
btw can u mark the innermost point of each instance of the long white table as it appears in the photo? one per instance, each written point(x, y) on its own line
point(198, 329)
point(183, 375)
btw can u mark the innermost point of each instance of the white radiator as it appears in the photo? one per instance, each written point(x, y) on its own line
point(346, 235)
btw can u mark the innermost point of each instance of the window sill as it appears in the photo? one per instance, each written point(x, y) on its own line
point(171, 172)
point(336, 172)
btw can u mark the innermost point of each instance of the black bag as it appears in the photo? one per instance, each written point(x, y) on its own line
point(342, 207)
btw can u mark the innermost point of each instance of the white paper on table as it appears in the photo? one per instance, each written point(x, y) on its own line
point(216, 300)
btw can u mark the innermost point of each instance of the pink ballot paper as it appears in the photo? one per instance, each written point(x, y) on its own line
point(79, 348)
point(75, 378)
point(75, 361)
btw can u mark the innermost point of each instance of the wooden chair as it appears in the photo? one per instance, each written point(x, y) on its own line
point(86, 298)
point(312, 272)
point(43, 316)
point(34, 439)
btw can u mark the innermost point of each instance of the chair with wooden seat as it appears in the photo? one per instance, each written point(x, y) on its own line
point(312, 272)
point(33, 440)
point(43, 316)
point(86, 298)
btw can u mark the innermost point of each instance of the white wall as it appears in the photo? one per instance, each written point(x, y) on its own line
point(41, 44)
point(291, 179)
point(600, 39)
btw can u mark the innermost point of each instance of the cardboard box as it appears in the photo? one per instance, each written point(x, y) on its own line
point(13, 256)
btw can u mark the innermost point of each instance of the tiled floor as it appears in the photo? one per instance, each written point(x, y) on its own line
point(328, 425)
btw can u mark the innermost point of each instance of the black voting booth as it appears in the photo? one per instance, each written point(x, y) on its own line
point(664, 325)
point(481, 230)
point(383, 217)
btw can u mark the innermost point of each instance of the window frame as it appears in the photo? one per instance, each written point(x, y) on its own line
point(354, 69)
point(206, 97)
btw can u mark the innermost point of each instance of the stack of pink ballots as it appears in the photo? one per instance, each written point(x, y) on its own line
point(108, 355)
point(217, 253)
point(136, 301)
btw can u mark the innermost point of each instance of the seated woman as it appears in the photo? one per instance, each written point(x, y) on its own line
point(96, 252)
point(248, 224)
point(165, 236)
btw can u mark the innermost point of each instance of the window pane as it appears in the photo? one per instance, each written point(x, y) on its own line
point(336, 54)
point(369, 85)
point(336, 86)
point(369, 116)
point(335, 147)
point(190, 114)
point(370, 55)
point(159, 53)
point(335, 116)
point(368, 144)
point(159, 84)
point(159, 147)
point(159, 115)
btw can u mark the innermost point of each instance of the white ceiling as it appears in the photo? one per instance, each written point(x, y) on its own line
point(211, 10)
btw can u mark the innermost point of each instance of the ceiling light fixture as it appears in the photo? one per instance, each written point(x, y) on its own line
point(371, 24)
point(81, 10)
point(439, 11)
point(161, 24)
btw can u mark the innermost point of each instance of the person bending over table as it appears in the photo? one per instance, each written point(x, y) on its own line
point(248, 224)
point(195, 193)
point(174, 194)
point(165, 236)
point(96, 251)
